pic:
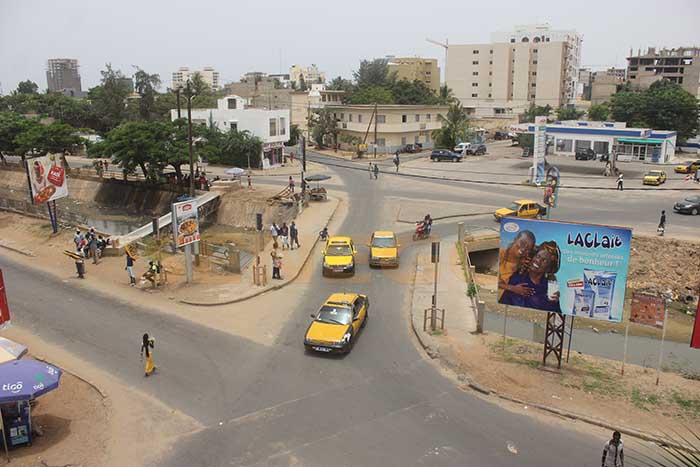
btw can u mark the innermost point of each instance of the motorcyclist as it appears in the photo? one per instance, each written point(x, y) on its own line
point(426, 225)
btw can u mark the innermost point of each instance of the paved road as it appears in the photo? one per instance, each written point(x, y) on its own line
point(383, 404)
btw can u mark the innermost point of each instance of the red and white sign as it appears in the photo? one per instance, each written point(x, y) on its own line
point(185, 223)
point(47, 179)
point(695, 340)
point(4, 307)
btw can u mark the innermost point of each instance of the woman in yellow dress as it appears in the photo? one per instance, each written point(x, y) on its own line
point(513, 259)
point(147, 348)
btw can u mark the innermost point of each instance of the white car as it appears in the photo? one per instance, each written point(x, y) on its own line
point(461, 147)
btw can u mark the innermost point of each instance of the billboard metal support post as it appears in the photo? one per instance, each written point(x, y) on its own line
point(188, 263)
point(661, 348)
point(505, 323)
point(624, 353)
point(571, 334)
point(554, 337)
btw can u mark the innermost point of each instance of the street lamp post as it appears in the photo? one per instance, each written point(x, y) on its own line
point(188, 94)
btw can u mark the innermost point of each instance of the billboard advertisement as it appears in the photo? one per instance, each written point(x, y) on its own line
point(569, 268)
point(4, 307)
point(539, 149)
point(47, 179)
point(185, 223)
point(648, 310)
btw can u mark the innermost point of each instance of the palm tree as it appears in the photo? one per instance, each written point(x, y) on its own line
point(454, 127)
point(446, 95)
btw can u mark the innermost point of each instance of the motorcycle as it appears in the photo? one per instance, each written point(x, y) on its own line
point(421, 232)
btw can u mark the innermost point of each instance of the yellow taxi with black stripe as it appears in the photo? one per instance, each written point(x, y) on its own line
point(335, 327)
point(689, 167)
point(339, 256)
point(526, 208)
point(383, 249)
point(654, 177)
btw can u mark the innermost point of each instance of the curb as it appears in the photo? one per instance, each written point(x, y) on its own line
point(84, 380)
point(17, 250)
point(476, 387)
point(272, 288)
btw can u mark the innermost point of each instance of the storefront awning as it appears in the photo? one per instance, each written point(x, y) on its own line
point(640, 140)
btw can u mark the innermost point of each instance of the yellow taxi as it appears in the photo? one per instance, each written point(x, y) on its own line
point(654, 177)
point(339, 256)
point(383, 249)
point(337, 324)
point(687, 167)
point(521, 208)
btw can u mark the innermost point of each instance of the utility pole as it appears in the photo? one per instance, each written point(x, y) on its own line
point(308, 120)
point(376, 117)
point(189, 136)
point(177, 94)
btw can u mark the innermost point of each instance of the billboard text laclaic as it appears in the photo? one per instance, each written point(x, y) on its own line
point(47, 179)
point(574, 269)
point(185, 223)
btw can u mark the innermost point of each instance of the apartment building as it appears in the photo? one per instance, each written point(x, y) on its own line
point(680, 65)
point(425, 70)
point(309, 74)
point(604, 84)
point(261, 91)
point(396, 125)
point(304, 102)
point(63, 75)
point(208, 74)
point(530, 65)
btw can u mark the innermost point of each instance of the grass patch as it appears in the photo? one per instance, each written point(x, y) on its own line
point(642, 400)
point(691, 405)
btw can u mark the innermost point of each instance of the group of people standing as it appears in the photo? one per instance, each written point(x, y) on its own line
point(288, 237)
point(88, 245)
point(373, 171)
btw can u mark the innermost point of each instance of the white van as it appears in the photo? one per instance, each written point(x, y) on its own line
point(461, 147)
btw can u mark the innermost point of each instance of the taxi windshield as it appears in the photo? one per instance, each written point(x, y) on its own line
point(383, 242)
point(335, 314)
point(513, 206)
point(338, 250)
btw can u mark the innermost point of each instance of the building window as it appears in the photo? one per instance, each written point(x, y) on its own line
point(475, 52)
point(381, 141)
point(404, 118)
point(564, 145)
point(490, 84)
point(359, 118)
point(233, 126)
point(475, 95)
point(428, 117)
point(534, 62)
point(475, 85)
point(532, 96)
point(416, 139)
point(534, 73)
point(349, 117)
point(534, 51)
point(512, 40)
point(342, 116)
point(381, 118)
point(582, 144)
point(489, 96)
point(232, 104)
point(403, 140)
point(491, 63)
point(418, 117)
point(283, 126)
point(273, 127)
point(475, 62)
point(600, 147)
point(491, 51)
point(533, 84)
point(475, 73)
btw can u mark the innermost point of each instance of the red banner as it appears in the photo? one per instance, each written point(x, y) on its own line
point(4, 307)
point(695, 340)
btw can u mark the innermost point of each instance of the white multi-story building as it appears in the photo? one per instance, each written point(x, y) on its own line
point(271, 126)
point(530, 65)
point(208, 74)
point(309, 74)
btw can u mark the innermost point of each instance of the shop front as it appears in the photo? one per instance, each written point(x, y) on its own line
point(640, 149)
point(273, 154)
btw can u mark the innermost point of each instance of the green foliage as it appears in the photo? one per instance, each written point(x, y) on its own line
point(109, 99)
point(371, 95)
point(446, 95)
point(140, 144)
point(599, 112)
point(526, 140)
point(568, 113)
point(413, 93)
point(199, 86)
point(535, 111)
point(11, 126)
point(664, 106)
point(324, 128)
point(374, 73)
point(27, 87)
point(302, 84)
point(146, 86)
point(472, 289)
point(241, 149)
point(454, 127)
point(294, 135)
point(340, 84)
point(43, 139)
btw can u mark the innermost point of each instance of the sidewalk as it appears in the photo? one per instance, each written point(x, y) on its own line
point(460, 311)
point(310, 222)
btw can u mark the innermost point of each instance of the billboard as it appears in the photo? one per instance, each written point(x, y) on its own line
point(648, 310)
point(569, 268)
point(539, 149)
point(4, 307)
point(47, 179)
point(185, 223)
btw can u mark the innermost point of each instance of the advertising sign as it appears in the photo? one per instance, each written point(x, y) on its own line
point(695, 339)
point(185, 223)
point(648, 310)
point(551, 187)
point(569, 268)
point(540, 147)
point(4, 307)
point(47, 179)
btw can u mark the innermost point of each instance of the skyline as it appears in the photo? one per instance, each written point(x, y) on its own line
point(271, 38)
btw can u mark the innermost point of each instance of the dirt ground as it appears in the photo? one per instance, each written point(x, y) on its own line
point(74, 420)
point(587, 385)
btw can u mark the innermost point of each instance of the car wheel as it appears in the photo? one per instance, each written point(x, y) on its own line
point(694, 211)
point(454, 159)
point(539, 216)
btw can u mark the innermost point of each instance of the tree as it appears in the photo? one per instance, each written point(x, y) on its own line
point(109, 99)
point(44, 139)
point(413, 93)
point(569, 113)
point(371, 95)
point(341, 84)
point(535, 111)
point(294, 135)
point(199, 86)
point(454, 127)
point(11, 126)
point(374, 73)
point(27, 87)
point(302, 83)
point(324, 127)
point(599, 112)
point(446, 95)
point(140, 144)
point(241, 148)
point(146, 86)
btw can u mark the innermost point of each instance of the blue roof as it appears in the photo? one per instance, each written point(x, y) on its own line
point(617, 132)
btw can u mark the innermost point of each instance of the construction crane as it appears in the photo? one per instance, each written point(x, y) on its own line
point(444, 46)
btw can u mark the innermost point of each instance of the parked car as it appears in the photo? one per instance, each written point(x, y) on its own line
point(585, 154)
point(499, 135)
point(654, 177)
point(445, 155)
point(477, 149)
point(412, 148)
point(461, 147)
point(522, 208)
point(687, 167)
point(689, 205)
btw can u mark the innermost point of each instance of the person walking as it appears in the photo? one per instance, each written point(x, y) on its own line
point(662, 223)
point(291, 184)
point(323, 234)
point(396, 160)
point(293, 236)
point(613, 454)
point(376, 171)
point(370, 170)
point(147, 345)
point(276, 261)
point(620, 182)
point(92, 246)
point(250, 181)
point(78, 238)
point(275, 232)
point(80, 263)
point(284, 235)
point(130, 269)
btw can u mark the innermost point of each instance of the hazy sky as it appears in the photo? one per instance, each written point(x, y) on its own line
point(237, 36)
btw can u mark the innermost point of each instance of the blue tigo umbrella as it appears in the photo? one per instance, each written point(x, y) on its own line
point(27, 379)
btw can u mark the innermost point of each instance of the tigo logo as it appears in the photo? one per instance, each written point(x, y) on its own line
point(14, 388)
